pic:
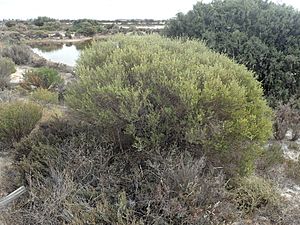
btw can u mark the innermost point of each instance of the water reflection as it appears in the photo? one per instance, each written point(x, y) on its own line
point(67, 53)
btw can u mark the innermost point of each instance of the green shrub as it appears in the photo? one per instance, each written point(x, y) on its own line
point(87, 30)
point(44, 96)
point(86, 27)
point(151, 92)
point(52, 26)
point(20, 54)
point(262, 35)
point(7, 67)
point(17, 120)
point(254, 192)
point(44, 77)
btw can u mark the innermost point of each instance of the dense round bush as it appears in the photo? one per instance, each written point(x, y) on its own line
point(7, 67)
point(151, 92)
point(17, 120)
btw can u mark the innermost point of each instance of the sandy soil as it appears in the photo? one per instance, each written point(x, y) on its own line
point(288, 188)
point(17, 77)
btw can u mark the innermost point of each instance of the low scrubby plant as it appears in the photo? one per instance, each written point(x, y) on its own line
point(292, 170)
point(71, 169)
point(44, 77)
point(294, 146)
point(271, 156)
point(44, 96)
point(281, 123)
point(20, 54)
point(287, 117)
point(251, 193)
point(152, 92)
point(18, 119)
point(7, 67)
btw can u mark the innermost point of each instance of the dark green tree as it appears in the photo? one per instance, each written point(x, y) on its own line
point(41, 20)
point(260, 34)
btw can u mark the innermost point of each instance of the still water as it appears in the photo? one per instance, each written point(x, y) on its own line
point(60, 53)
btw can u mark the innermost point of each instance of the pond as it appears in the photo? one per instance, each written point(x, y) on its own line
point(67, 53)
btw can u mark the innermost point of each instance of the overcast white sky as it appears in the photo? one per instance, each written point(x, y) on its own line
point(100, 9)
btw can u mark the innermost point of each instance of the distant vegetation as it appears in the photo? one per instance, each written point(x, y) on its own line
point(86, 27)
point(260, 34)
point(40, 21)
point(45, 27)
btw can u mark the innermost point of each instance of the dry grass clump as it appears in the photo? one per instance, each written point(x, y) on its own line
point(254, 192)
point(7, 67)
point(271, 156)
point(44, 96)
point(20, 54)
point(287, 117)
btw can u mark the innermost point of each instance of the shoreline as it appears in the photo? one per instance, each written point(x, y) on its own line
point(49, 40)
point(75, 40)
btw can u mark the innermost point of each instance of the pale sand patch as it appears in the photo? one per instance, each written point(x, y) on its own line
point(18, 76)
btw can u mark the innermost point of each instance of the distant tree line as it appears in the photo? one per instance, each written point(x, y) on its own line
point(262, 35)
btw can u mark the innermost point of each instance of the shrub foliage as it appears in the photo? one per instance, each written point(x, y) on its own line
point(71, 169)
point(287, 117)
point(260, 34)
point(20, 54)
point(152, 92)
point(17, 120)
point(254, 192)
point(45, 96)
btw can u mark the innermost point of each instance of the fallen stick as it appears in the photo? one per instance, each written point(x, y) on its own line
point(12, 196)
